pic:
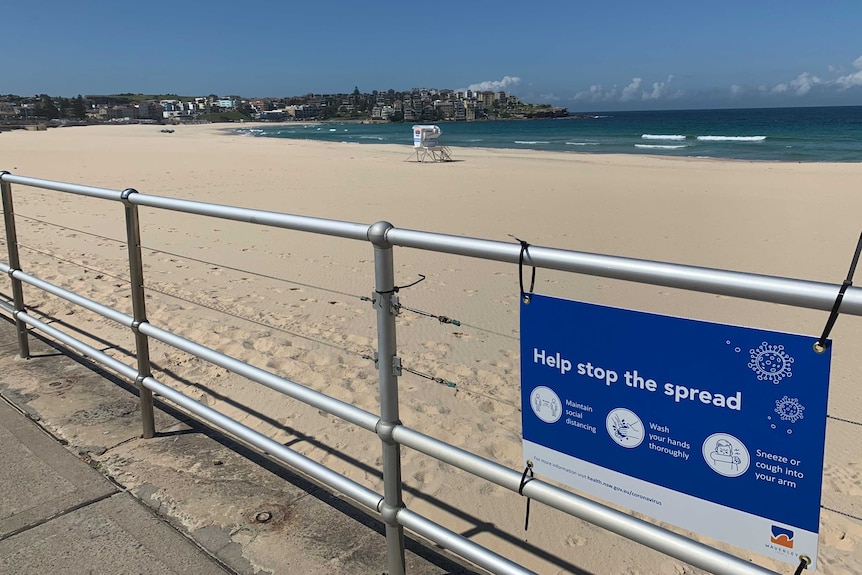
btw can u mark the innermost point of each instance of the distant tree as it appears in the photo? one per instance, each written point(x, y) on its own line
point(396, 117)
point(330, 112)
point(356, 90)
point(64, 107)
point(45, 108)
point(79, 111)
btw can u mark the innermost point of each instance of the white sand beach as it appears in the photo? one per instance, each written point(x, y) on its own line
point(290, 302)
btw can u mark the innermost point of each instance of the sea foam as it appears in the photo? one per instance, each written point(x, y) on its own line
point(731, 138)
point(582, 143)
point(659, 146)
point(530, 142)
point(662, 137)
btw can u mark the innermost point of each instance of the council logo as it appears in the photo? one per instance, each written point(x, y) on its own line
point(782, 536)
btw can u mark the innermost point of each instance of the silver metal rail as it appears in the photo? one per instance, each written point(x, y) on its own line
point(794, 292)
point(383, 236)
point(370, 499)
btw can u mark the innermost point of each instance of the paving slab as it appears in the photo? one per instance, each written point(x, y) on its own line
point(39, 479)
point(114, 535)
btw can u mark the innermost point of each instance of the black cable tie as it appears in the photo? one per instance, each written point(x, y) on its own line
point(397, 288)
point(820, 346)
point(527, 469)
point(525, 296)
point(804, 562)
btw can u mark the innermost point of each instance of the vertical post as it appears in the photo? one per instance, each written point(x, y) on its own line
point(14, 265)
point(139, 311)
point(389, 368)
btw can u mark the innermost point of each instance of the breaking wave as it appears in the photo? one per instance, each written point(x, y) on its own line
point(662, 137)
point(582, 143)
point(530, 142)
point(660, 147)
point(731, 138)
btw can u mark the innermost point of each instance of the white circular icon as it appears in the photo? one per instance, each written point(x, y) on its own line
point(546, 404)
point(625, 427)
point(726, 455)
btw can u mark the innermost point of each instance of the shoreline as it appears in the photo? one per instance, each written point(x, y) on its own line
point(563, 154)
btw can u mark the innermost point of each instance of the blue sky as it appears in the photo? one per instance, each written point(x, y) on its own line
point(585, 55)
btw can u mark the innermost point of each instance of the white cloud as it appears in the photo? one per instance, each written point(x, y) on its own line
point(659, 90)
point(632, 91)
point(736, 90)
point(851, 80)
point(549, 97)
point(596, 94)
point(635, 90)
point(804, 82)
point(496, 85)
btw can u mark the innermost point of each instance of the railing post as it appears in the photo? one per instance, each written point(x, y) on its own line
point(139, 311)
point(389, 368)
point(14, 265)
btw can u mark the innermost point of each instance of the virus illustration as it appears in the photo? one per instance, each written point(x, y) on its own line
point(770, 362)
point(789, 409)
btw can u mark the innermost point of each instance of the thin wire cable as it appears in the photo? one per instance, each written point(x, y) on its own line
point(74, 263)
point(844, 513)
point(843, 420)
point(457, 387)
point(190, 258)
point(258, 274)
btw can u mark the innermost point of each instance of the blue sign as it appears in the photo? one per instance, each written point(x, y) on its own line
point(718, 429)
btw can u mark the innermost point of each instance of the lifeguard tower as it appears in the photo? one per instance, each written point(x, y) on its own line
point(426, 144)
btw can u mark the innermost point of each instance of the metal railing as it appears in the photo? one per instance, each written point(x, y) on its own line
point(392, 433)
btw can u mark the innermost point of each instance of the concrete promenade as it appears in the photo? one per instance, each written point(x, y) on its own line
point(80, 492)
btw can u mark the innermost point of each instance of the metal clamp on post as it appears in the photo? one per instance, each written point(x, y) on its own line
point(804, 562)
point(821, 344)
point(377, 301)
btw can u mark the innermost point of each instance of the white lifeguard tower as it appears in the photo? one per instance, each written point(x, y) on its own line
point(426, 144)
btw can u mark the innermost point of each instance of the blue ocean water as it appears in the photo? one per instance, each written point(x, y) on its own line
point(830, 134)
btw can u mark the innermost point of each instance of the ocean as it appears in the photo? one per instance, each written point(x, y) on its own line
point(829, 134)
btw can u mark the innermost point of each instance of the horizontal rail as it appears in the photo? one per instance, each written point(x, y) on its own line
point(80, 190)
point(96, 307)
point(292, 389)
point(337, 228)
point(459, 544)
point(667, 542)
point(100, 357)
point(367, 497)
point(332, 479)
point(787, 291)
